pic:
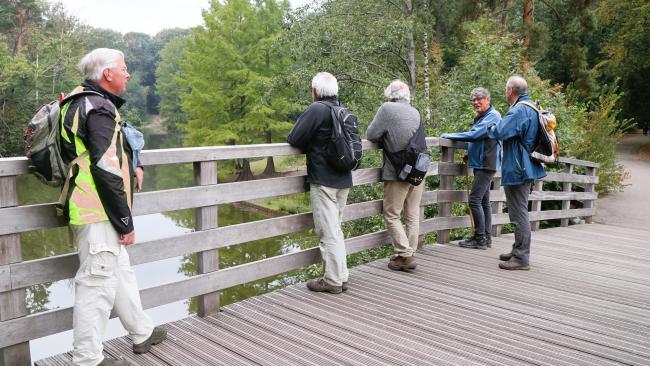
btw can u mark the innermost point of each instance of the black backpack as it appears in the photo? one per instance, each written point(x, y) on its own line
point(344, 148)
point(412, 163)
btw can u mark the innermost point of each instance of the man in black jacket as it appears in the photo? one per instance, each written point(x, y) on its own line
point(329, 187)
point(98, 209)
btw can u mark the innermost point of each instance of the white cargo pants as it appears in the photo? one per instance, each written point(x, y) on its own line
point(104, 281)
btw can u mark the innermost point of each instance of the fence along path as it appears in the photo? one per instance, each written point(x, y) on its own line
point(17, 328)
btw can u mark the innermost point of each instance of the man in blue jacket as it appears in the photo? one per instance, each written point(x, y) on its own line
point(518, 131)
point(483, 157)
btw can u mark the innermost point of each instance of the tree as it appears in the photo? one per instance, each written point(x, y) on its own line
point(627, 55)
point(230, 70)
point(168, 89)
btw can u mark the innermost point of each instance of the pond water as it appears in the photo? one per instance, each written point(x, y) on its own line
point(43, 243)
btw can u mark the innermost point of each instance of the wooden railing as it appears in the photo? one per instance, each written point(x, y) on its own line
point(17, 328)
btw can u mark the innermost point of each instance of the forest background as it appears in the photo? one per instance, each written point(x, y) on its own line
point(243, 76)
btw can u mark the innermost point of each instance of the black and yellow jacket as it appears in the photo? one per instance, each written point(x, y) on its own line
point(101, 184)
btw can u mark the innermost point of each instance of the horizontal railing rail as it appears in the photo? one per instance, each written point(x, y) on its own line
point(17, 328)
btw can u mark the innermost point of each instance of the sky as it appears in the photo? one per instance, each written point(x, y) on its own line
point(145, 16)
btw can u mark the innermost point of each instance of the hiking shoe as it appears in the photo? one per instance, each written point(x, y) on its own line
point(488, 241)
point(113, 362)
point(514, 264)
point(477, 242)
point(398, 263)
point(320, 285)
point(505, 257)
point(345, 286)
point(158, 335)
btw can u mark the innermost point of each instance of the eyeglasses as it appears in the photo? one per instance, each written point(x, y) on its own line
point(476, 99)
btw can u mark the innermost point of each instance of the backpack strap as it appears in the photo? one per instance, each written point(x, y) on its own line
point(531, 105)
point(66, 186)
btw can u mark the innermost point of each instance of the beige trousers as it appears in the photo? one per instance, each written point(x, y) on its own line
point(104, 281)
point(327, 205)
point(400, 196)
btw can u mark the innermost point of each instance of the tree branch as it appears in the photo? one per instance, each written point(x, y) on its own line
point(557, 14)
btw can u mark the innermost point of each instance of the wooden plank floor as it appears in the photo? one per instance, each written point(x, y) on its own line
point(585, 301)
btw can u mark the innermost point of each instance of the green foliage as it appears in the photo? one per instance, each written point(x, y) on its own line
point(488, 57)
point(229, 72)
point(168, 75)
point(627, 55)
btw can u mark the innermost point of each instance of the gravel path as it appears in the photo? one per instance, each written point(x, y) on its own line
point(631, 207)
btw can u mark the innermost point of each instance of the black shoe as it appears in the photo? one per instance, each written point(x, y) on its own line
point(505, 257)
point(345, 286)
point(488, 241)
point(477, 242)
point(158, 335)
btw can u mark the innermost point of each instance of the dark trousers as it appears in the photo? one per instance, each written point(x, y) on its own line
point(479, 202)
point(517, 201)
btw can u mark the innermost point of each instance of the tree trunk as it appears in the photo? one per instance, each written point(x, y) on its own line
point(246, 173)
point(504, 15)
point(425, 46)
point(22, 20)
point(410, 48)
point(269, 171)
point(529, 7)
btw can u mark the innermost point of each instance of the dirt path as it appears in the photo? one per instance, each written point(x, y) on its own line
point(631, 207)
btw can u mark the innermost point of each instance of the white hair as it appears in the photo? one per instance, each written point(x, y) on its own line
point(325, 85)
point(517, 84)
point(397, 90)
point(96, 61)
point(480, 93)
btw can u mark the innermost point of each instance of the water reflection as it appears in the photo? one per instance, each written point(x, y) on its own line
point(49, 242)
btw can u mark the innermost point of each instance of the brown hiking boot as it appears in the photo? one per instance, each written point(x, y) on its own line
point(514, 264)
point(112, 362)
point(505, 257)
point(158, 335)
point(398, 263)
point(320, 285)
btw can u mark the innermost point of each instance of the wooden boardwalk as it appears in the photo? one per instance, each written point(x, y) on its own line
point(585, 301)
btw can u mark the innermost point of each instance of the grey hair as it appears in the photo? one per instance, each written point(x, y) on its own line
point(397, 90)
point(480, 93)
point(517, 84)
point(96, 61)
point(325, 85)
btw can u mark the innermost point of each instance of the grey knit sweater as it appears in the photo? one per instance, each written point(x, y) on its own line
point(393, 126)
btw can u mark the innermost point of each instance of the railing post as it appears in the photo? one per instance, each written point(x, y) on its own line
point(205, 173)
point(566, 187)
point(446, 183)
point(536, 205)
point(12, 303)
point(590, 188)
point(497, 207)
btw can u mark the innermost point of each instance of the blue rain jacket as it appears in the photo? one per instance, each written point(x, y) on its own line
point(518, 131)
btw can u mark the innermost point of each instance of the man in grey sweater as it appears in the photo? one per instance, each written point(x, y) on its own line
point(393, 126)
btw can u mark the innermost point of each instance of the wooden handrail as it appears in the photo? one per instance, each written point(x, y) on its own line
point(16, 276)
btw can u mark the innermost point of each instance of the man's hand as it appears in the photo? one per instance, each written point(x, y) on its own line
point(127, 239)
point(139, 178)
